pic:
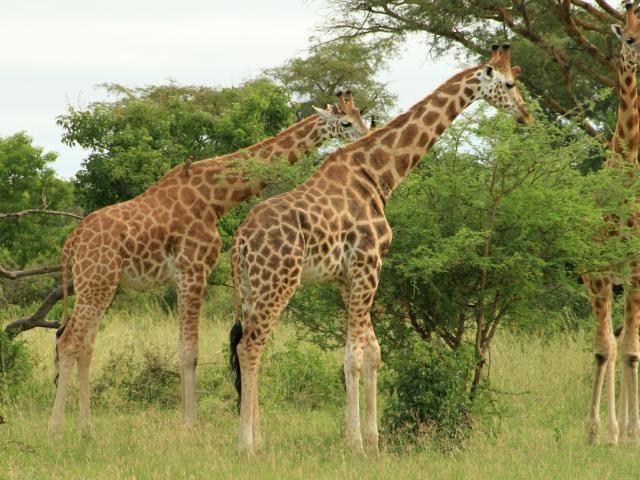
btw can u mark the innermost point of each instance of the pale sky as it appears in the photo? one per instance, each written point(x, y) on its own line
point(54, 53)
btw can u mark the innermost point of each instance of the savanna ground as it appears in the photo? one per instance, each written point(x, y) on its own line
point(542, 390)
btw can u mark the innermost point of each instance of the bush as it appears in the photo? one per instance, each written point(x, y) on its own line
point(428, 394)
point(154, 380)
point(15, 366)
point(305, 377)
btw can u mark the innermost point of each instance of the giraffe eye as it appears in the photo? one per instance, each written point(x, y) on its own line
point(630, 40)
point(509, 85)
point(346, 124)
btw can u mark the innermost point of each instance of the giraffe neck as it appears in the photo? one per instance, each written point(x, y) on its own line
point(624, 143)
point(386, 156)
point(224, 181)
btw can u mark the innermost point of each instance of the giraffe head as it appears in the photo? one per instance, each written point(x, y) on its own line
point(629, 35)
point(342, 121)
point(498, 84)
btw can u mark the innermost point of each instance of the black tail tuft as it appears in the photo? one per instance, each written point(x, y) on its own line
point(235, 335)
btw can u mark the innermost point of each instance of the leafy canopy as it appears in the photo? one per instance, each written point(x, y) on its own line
point(137, 138)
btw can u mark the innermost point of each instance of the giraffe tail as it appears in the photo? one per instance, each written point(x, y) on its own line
point(238, 253)
point(64, 263)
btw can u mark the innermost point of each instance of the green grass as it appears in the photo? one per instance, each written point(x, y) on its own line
point(543, 393)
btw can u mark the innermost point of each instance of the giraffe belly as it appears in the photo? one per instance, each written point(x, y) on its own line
point(314, 272)
point(137, 276)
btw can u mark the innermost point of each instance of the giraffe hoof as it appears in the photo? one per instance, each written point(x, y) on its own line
point(355, 446)
point(592, 432)
point(54, 432)
point(613, 434)
point(246, 451)
point(633, 435)
point(86, 432)
point(371, 445)
point(189, 427)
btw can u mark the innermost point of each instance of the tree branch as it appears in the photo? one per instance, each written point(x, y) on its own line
point(607, 8)
point(37, 319)
point(15, 274)
point(32, 211)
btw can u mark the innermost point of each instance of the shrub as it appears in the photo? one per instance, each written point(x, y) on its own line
point(156, 382)
point(428, 393)
point(153, 380)
point(15, 366)
point(303, 376)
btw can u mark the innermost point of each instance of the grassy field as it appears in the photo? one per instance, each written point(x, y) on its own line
point(543, 396)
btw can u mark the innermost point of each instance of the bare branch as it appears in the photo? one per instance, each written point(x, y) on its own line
point(592, 10)
point(15, 274)
point(37, 319)
point(32, 211)
point(572, 30)
point(607, 8)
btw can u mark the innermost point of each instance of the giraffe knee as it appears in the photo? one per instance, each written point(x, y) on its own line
point(353, 360)
point(189, 359)
point(631, 359)
point(601, 359)
point(372, 354)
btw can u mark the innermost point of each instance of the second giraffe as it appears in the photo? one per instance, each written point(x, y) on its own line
point(333, 227)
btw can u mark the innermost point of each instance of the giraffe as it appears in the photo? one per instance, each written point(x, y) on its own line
point(169, 233)
point(623, 151)
point(333, 228)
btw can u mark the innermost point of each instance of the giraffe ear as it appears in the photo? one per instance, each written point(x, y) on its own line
point(515, 72)
point(617, 31)
point(324, 115)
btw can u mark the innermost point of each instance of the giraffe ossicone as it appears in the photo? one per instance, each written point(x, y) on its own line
point(169, 233)
point(333, 228)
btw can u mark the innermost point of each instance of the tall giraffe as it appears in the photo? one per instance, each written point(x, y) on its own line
point(624, 151)
point(169, 233)
point(333, 227)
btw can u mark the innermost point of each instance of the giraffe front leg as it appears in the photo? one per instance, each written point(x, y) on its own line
point(604, 349)
point(257, 433)
point(191, 288)
point(610, 377)
point(630, 354)
point(84, 363)
point(624, 405)
point(370, 366)
point(353, 357)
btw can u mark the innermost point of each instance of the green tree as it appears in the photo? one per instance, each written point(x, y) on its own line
point(28, 182)
point(139, 136)
point(566, 49)
point(340, 65)
point(494, 226)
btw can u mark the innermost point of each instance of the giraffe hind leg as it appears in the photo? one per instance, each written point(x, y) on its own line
point(75, 344)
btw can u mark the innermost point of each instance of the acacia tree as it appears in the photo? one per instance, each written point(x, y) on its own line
point(138, 137)
point(330, 67)
point(34, 218)
point(495, 225)
point(565, 47)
